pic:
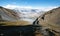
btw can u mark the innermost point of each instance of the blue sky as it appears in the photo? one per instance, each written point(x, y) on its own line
point(32, 3)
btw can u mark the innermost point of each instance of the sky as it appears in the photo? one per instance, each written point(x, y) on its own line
point(40, 4)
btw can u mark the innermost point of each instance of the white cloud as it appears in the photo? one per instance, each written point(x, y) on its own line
point(29, 7)
point(47, 8)
point(16, 6)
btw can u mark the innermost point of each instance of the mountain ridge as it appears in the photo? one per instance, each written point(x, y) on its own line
point(6, 13)
point(50, 22)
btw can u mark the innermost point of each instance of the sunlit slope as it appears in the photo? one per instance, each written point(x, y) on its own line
point(50, 22)
point(8, 14)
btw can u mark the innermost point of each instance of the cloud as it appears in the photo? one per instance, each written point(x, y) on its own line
point(47, 8)
point(10, 6)
point(16, 6)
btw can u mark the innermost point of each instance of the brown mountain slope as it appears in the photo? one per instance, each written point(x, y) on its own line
point(50, 20)
point(7, 14)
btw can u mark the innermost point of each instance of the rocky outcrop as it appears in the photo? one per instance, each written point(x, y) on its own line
point(51, 21)
point(8, 14)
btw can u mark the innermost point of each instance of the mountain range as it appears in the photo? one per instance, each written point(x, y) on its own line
point(20, 14)
point(11, 17)
point(28, 14)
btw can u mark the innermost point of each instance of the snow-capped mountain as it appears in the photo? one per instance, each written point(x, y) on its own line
point(28, 14)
